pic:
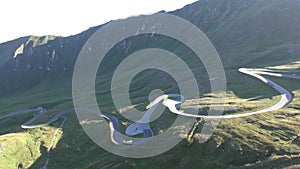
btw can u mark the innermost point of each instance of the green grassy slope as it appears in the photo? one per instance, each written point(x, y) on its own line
point(242, 142)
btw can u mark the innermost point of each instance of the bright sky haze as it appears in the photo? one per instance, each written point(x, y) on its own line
point(67, 17)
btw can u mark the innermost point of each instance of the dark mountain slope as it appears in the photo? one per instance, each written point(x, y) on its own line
point(29, 60)
point(245, 33)
point(8, 49)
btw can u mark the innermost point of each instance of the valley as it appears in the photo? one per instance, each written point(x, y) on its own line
point(258, 44)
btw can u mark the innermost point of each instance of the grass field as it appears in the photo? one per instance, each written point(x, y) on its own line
point(262, 140)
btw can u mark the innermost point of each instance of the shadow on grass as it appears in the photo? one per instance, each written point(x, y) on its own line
point(42, 159)
point(13, 124)
point(247, 87)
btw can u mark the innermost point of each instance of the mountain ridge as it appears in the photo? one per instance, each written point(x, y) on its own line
point(243, 33)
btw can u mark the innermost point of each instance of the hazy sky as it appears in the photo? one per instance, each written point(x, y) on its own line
point(66, 17)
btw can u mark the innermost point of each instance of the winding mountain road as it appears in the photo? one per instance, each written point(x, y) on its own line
point(286, 96)
point(142, 125)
